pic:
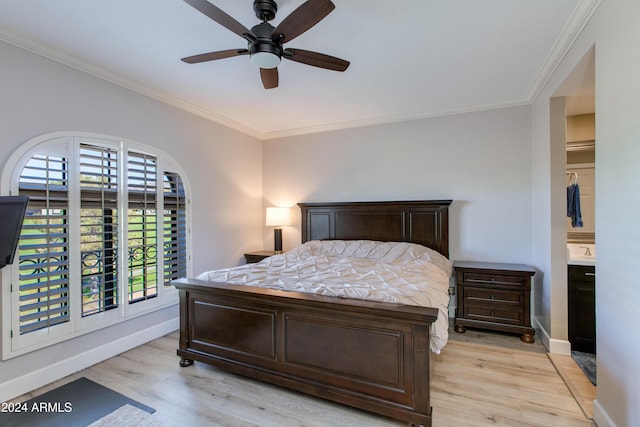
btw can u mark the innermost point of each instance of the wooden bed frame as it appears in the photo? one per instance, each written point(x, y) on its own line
point(370, 355)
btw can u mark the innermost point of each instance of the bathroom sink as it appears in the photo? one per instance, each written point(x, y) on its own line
point(581, 253)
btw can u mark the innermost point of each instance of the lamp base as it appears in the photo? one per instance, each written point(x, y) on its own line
point(277, 240)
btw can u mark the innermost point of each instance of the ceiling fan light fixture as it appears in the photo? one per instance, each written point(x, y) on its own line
point(265, 59)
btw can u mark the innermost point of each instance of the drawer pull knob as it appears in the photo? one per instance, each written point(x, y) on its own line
point(589, 274)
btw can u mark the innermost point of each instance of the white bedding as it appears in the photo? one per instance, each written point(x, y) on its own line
point(398, 272)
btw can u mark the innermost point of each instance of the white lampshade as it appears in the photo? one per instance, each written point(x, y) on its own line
point(277, 216)
point(265, 59)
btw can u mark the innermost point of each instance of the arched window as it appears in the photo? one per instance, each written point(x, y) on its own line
point(105, 232)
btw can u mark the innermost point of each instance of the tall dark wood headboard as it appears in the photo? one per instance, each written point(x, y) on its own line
point(425, 222)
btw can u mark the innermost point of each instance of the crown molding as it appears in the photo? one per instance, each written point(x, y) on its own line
point(41, 49)
point(48, 52)
point(579, 18)
point(581, 15)
point(393, 119)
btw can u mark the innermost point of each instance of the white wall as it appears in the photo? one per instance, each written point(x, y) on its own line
point(617, 208)
point(224, 168)
point(615, 34)
point(482, 161)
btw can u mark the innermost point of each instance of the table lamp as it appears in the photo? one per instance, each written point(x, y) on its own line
point(277, 217)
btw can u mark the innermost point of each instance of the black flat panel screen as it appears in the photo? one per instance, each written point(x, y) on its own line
point(12, 209)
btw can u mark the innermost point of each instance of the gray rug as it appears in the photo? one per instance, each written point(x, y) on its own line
point(78, 403)
point(587, 363)
point(130, 416)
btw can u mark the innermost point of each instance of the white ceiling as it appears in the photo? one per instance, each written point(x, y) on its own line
point(409, 58)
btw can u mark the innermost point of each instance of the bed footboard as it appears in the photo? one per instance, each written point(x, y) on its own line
point(373, 356)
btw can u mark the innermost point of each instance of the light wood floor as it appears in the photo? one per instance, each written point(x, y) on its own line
point(577, 382)
point(480, 379)
point(506, 382)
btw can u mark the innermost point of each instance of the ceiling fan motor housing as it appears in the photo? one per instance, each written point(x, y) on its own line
point(263, 42)
point(265, 9)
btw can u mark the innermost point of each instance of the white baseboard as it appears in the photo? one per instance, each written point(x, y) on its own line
point(541, 333)
point(600, 416)
point(41, 377)
point(553, 345)
point(562, 347)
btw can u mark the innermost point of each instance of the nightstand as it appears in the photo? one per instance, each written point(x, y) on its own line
point(494, 296)
point(253, 257)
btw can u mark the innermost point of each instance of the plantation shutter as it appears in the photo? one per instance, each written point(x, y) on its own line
point(104, 234)
point(175, 228)
point(98, 228)
point(43, 251)
point(142, 227)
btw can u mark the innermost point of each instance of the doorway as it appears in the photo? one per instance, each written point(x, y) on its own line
point(579, 164)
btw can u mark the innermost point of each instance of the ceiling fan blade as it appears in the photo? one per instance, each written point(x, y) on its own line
point(304, 17)
point(220, 17)
point(269, 77)
point(212, 56)
point(316, 59)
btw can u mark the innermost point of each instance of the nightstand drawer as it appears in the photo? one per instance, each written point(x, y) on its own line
point(488, 295)
point(492, 280)
point(494, 314)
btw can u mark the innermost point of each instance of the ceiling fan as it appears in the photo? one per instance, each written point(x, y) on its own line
point(265, 42)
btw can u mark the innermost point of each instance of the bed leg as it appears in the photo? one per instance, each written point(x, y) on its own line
point(184, 363)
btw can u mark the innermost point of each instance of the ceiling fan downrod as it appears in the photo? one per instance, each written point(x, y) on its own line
point(265, 9)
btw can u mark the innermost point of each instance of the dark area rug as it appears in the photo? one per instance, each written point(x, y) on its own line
point(78, 403)
point(587, 363)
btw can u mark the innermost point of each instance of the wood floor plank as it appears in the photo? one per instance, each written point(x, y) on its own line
point(479, 379)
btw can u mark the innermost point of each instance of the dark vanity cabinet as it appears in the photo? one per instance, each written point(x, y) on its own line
point(582, 307)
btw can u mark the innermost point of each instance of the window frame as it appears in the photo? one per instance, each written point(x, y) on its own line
point(68, 145)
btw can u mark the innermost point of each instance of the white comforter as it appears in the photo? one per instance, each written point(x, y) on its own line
point(398, 272)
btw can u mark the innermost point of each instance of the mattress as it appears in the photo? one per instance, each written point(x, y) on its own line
point(395, 272)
